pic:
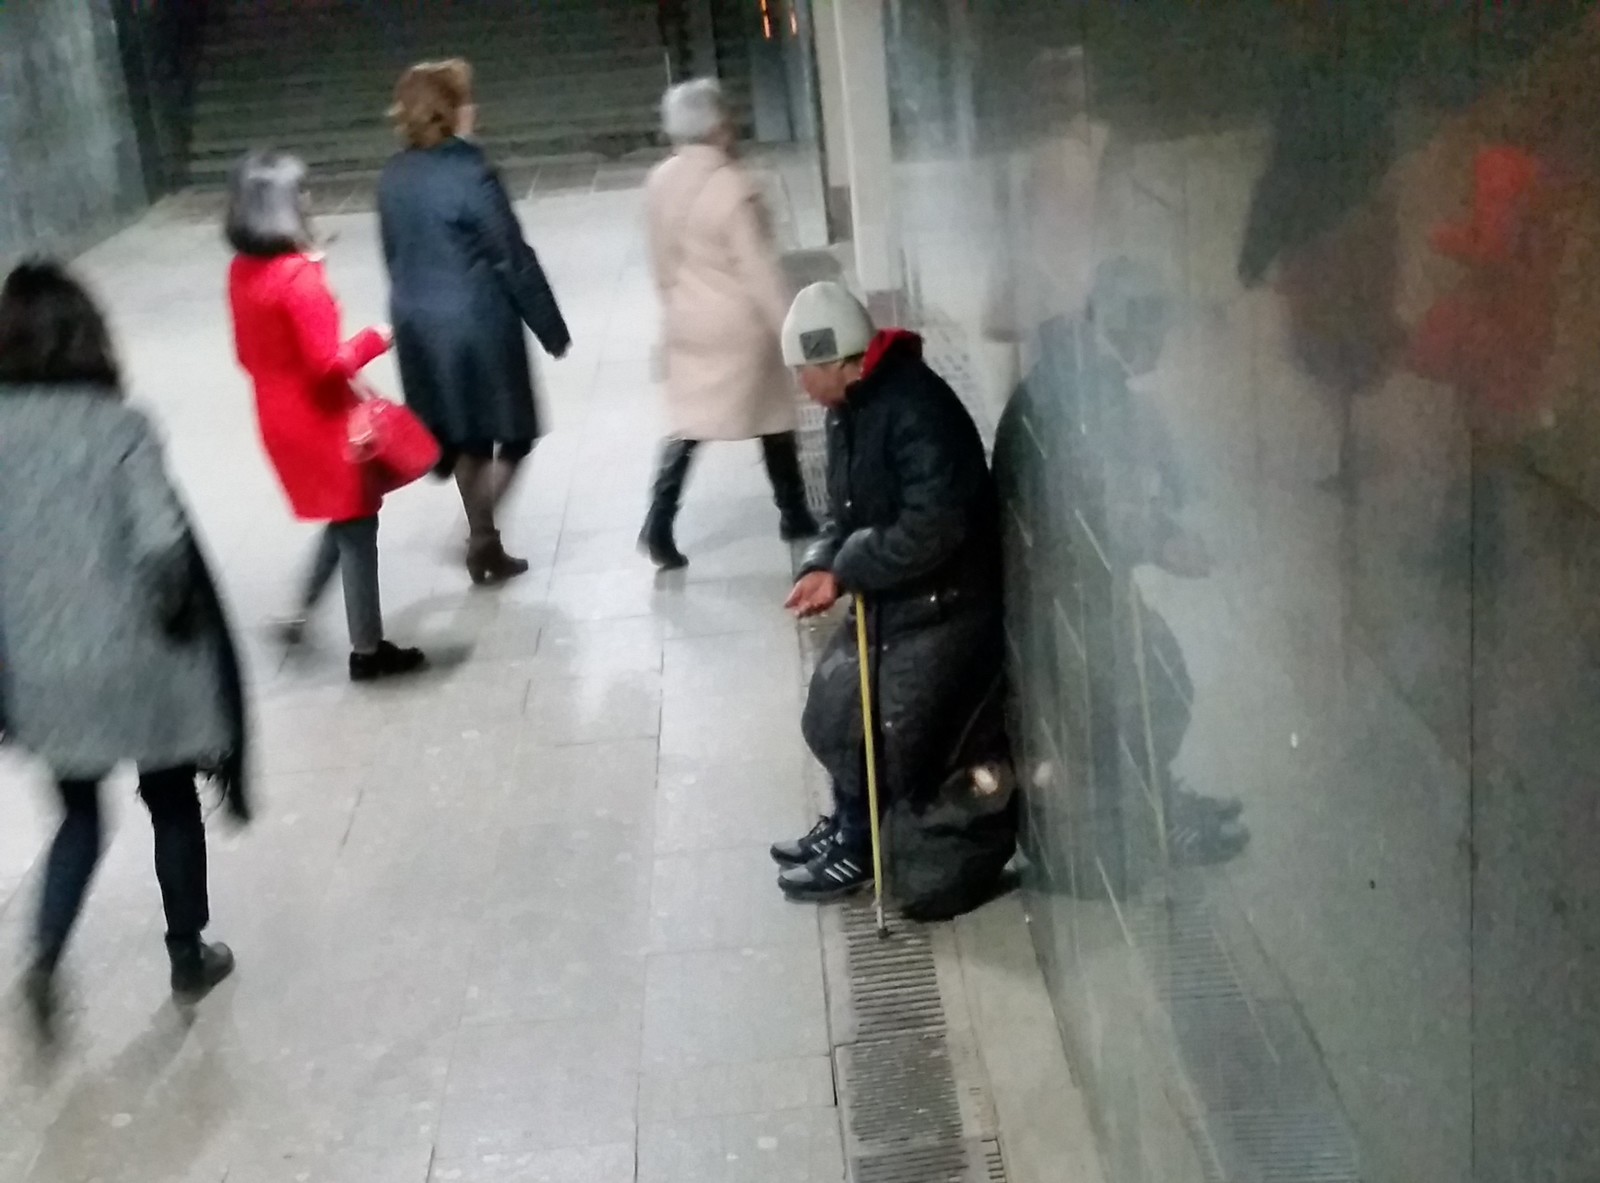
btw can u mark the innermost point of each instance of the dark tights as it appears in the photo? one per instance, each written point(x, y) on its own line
point(180, 848)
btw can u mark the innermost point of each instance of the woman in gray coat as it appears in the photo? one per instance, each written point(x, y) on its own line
point(114, 644)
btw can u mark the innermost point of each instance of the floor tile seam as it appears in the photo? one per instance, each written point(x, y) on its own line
point(599, 741)
point(476, 956)
point(650, 903)
point(798, 636)
point(765, 945)
point(676, 852)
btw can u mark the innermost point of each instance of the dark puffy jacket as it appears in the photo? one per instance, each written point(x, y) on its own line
point(913, 517)
point(914, 529)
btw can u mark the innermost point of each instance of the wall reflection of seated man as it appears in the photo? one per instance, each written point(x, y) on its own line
point(913, 532)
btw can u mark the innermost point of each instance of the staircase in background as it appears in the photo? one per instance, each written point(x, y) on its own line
point(554, 78)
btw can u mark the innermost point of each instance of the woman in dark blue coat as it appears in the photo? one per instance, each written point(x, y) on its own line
point(463, 283)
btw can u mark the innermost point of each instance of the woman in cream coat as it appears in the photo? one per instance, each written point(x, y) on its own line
point(723, 300)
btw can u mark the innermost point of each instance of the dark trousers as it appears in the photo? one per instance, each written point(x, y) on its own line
point(780, 453)
point(931, 686)
point(180, 841)
point(350, 549)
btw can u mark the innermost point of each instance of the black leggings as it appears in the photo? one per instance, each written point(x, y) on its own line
point(180, 840)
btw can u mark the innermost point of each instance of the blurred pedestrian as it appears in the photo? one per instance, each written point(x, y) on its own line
point(463, 283)
point(116, 647)
point(723, 300)
point(286, 333)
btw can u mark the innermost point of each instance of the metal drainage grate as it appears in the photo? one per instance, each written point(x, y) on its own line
point(893, 985)
point(1267, 1108)
point(897, 1084)
point(904, 1090)
point(994, 1165)
point(963, 1162)
point(1288, 1146)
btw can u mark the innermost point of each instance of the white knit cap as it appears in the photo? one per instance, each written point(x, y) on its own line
point(825, 324)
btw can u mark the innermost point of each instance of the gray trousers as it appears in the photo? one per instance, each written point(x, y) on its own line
point(351, 548)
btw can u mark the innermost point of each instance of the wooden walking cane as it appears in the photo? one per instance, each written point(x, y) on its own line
point(863, 661)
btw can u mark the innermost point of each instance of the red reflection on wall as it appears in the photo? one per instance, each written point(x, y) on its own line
point(1490, 338)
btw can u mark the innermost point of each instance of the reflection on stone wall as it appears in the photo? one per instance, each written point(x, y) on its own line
point(1282, 317)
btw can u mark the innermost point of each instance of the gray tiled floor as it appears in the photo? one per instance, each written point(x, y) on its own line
point(514, 920)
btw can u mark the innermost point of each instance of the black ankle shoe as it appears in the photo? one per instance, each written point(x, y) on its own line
point(797, 524)
point(196, 970)
point(39, 993)
point(796, 851)
point(832, 875)
point(387, 661)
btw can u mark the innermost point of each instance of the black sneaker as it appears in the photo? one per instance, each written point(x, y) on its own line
point(1205, 840)
point(832, 875)
point(1187, 802)
point(197, 970)
point(796, 851)
point(388, 661)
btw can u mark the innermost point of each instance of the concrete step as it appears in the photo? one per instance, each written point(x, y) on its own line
point(432, 11)
point(363, 155)
point(327, 100)
point(555, 77)
point(481, 50)
point(640, 118)
point(514, 169)
point(378, 64)
point(433, 14)
point(312, 90)
point(466, 21)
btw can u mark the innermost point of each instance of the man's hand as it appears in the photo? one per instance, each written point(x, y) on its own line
point(814, 594)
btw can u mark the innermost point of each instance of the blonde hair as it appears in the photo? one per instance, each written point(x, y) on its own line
point(428, 101)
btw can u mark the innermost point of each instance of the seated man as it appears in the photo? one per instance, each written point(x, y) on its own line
point(914, 537)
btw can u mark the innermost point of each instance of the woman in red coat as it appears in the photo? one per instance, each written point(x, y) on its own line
point(286, 334)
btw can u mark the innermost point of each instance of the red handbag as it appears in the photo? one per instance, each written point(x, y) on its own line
point(389, 441)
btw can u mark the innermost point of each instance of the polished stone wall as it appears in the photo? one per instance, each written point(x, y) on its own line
point(93, 100)
point(1282, 319)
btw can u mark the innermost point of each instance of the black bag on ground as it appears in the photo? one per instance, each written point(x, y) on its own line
point(950, 855)
point(946, 853)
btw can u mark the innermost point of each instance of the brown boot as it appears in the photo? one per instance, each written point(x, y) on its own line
point(488, 563)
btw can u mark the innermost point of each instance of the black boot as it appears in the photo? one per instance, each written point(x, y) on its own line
point(197, 967)
point(656, 538)
point(782, 456)
point(39, 993)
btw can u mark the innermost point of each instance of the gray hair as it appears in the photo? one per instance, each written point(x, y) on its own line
point(693, 112)
point(266, 205)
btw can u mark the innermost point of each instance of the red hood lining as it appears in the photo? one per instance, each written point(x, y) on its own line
point(887, 341)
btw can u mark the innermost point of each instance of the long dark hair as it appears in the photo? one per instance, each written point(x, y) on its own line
point(52, 332)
